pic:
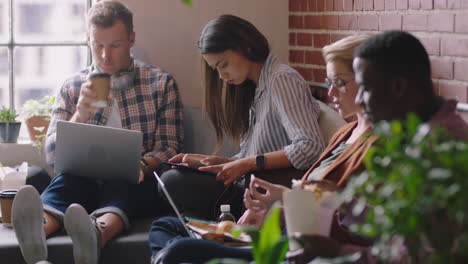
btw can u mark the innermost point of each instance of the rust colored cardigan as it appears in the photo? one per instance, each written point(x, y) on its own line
point(349, 162)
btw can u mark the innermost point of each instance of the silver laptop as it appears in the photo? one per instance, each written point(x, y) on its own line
point(174, 207)
point(98, 151)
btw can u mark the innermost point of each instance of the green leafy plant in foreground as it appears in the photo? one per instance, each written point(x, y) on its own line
point(7, 115)
point(187, 2)
point(415, 185)
point(269, 244)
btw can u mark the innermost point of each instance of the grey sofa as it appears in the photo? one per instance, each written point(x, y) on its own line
point(131, 247)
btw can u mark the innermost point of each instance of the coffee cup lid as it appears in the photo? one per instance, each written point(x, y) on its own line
point(7, 194)
point(98, 74)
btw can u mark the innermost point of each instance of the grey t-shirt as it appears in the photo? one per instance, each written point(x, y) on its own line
point(317, 173)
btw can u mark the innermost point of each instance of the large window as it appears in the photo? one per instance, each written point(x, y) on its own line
point(42, 42)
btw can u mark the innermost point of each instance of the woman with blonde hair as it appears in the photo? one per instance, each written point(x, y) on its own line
point(342, 157)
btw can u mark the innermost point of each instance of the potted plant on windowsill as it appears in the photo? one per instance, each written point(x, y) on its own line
point(9, 127)
point(36, 114)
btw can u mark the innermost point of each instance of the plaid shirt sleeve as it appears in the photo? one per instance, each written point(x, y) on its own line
point(64, 108)
point(169, 132)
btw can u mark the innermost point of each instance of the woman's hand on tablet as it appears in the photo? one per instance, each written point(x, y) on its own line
point(189, 160)
point(231, 171)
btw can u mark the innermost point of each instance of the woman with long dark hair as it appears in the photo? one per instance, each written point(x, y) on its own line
point(341, 159)
point(252, 98)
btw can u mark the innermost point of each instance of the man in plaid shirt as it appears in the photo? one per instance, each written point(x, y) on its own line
point(142, 98)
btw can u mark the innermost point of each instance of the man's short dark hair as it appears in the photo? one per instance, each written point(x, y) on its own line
point(398, 54)
point(105, 14)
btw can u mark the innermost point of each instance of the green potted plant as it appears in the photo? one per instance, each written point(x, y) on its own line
point(415, 185)
point(36, 114)
point(9, 126)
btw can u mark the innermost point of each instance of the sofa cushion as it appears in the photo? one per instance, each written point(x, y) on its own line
point(200, 136)
point(329, 121)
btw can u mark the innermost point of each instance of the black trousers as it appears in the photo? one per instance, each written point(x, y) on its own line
point(199, 194)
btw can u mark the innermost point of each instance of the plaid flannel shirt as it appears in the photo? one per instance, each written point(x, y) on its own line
point(152, 105)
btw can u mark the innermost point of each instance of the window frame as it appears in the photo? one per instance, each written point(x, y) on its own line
point(11, 44)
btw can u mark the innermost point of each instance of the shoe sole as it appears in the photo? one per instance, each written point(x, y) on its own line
point(81, 231)
point(27, 206)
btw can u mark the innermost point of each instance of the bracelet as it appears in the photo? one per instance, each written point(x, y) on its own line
point(144, 163)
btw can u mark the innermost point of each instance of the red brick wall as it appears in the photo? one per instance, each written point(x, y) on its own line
point(441, 25)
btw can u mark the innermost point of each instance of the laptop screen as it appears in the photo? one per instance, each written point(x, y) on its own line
point(174, 207)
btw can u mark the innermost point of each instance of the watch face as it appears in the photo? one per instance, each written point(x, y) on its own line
point(260, 161)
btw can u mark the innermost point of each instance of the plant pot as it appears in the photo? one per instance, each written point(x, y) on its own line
point(9, 132)
point(37, 127)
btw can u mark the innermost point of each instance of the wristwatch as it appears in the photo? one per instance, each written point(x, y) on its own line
point(260, 162)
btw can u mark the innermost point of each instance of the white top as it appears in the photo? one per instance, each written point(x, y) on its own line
point(114, 118)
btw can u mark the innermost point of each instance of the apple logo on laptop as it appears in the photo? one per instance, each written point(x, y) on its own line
point(96, 154)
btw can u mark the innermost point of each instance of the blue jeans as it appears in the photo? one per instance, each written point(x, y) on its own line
point(169, 233)
point(99, 197)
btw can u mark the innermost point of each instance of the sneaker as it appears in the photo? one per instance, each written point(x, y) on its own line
point(28, 222)
point(85, 235)
point(158, 258)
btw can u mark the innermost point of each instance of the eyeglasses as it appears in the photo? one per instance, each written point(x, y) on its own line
point(339, 84)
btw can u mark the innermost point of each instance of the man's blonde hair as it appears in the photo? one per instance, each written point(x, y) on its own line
point(343, 49)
